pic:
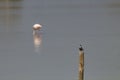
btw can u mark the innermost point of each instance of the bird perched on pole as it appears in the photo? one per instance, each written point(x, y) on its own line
point(81, 63)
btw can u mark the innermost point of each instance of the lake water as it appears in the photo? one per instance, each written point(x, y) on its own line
point(53, 53)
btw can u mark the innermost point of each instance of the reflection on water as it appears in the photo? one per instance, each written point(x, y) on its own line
point(10, 12)
point(37, 41)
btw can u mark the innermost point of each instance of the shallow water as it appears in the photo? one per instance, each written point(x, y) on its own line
point(52, 54)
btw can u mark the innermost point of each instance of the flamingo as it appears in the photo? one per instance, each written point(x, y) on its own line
point(36, 28)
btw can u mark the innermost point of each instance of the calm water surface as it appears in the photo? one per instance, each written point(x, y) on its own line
point(53, 53)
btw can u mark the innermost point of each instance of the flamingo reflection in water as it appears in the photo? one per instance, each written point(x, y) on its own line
point(37, 41)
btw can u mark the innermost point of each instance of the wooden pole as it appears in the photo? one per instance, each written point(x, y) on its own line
point(81, 63)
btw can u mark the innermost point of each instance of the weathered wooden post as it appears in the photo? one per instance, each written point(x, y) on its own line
point(81, 63)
